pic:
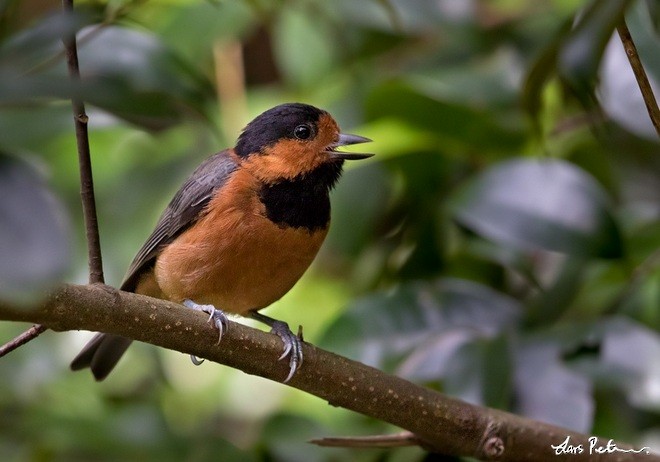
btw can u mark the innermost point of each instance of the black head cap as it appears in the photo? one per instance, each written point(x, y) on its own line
point(277, 123)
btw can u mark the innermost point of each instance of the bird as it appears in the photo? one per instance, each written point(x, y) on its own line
point(242, 229)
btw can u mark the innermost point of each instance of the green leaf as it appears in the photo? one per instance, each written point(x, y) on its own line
point(546, 204)
point(34, 234)
point(302, 54)
point(191, 27)
point(538, 75)
point(282, 434)
point(422, 108)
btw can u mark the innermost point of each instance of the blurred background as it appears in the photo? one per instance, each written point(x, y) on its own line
point(501, 247)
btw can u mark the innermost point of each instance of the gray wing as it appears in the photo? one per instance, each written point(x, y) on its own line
point(185, 208)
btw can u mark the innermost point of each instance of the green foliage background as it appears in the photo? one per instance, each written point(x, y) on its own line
point(503, 245)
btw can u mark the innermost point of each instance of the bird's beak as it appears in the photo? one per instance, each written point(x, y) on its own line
point(344, 140)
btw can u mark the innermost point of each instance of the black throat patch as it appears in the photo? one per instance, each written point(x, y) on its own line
point(302, 202)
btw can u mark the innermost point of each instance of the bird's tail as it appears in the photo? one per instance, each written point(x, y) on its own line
point(101, 354)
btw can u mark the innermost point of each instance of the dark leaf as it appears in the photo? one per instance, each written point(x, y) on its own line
point(40, 45)
point(549, 304)
point(432, 318)
point(626, 359)
point(654, 13)
point(34, 236)
point(477, 370)
point(547, 390)
point(128, 73)
point(581, 52)
point(547, 204)
point(133, 75)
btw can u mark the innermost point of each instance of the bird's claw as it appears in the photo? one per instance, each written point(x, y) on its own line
point(220, 321)
point(218, 317)
point(292, 347)
point(195, 360)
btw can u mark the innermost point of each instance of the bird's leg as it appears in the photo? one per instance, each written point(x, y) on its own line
point(292, 343)
point(218, 317)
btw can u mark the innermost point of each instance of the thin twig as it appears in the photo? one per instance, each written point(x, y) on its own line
point(84, 160)
point(29, 335)
point(396, 440)
point(640, 74)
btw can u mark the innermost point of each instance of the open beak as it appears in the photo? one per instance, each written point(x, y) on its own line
point(344, 140)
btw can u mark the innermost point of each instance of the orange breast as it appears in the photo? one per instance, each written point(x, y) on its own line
point(234, 257)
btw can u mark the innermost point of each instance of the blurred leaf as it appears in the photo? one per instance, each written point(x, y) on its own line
point(303, 56)
point(34, 236)
point(646, 36)
point(473, 368)
point(133, 75)
point(497, 366)
point(574, 54)
point(282, 436)
point(356, 204)
point(546, 390)
point(627, 359)
point(654, 14)
point(36, 46)
point(547, 204)
point(204, 23)
point(31, 128)
point(619, 91)
point(447, 119)
point(429, 317)
point(551, 303)
point(543, 68)
point(126, 72)
point(402, 15)
point(491, 81)
point(522, 263)
point(581, 52)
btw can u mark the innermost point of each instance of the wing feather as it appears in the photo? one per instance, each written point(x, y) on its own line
point(184, 209)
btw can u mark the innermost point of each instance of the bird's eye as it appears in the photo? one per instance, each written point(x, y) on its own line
point(302, 132)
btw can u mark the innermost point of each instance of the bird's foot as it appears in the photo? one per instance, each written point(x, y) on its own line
point(292, 342)
point(292, 347)
point(218, 317)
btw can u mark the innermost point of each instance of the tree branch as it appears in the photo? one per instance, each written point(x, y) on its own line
point(640, 74)
point(444, 424)
point(80, 120)
point(27, 336)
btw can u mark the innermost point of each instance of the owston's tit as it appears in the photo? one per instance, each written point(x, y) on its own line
point(242, 229)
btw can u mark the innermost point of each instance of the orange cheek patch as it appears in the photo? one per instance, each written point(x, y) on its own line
point(286, 159)
point(289, 158)
point(328, 131)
